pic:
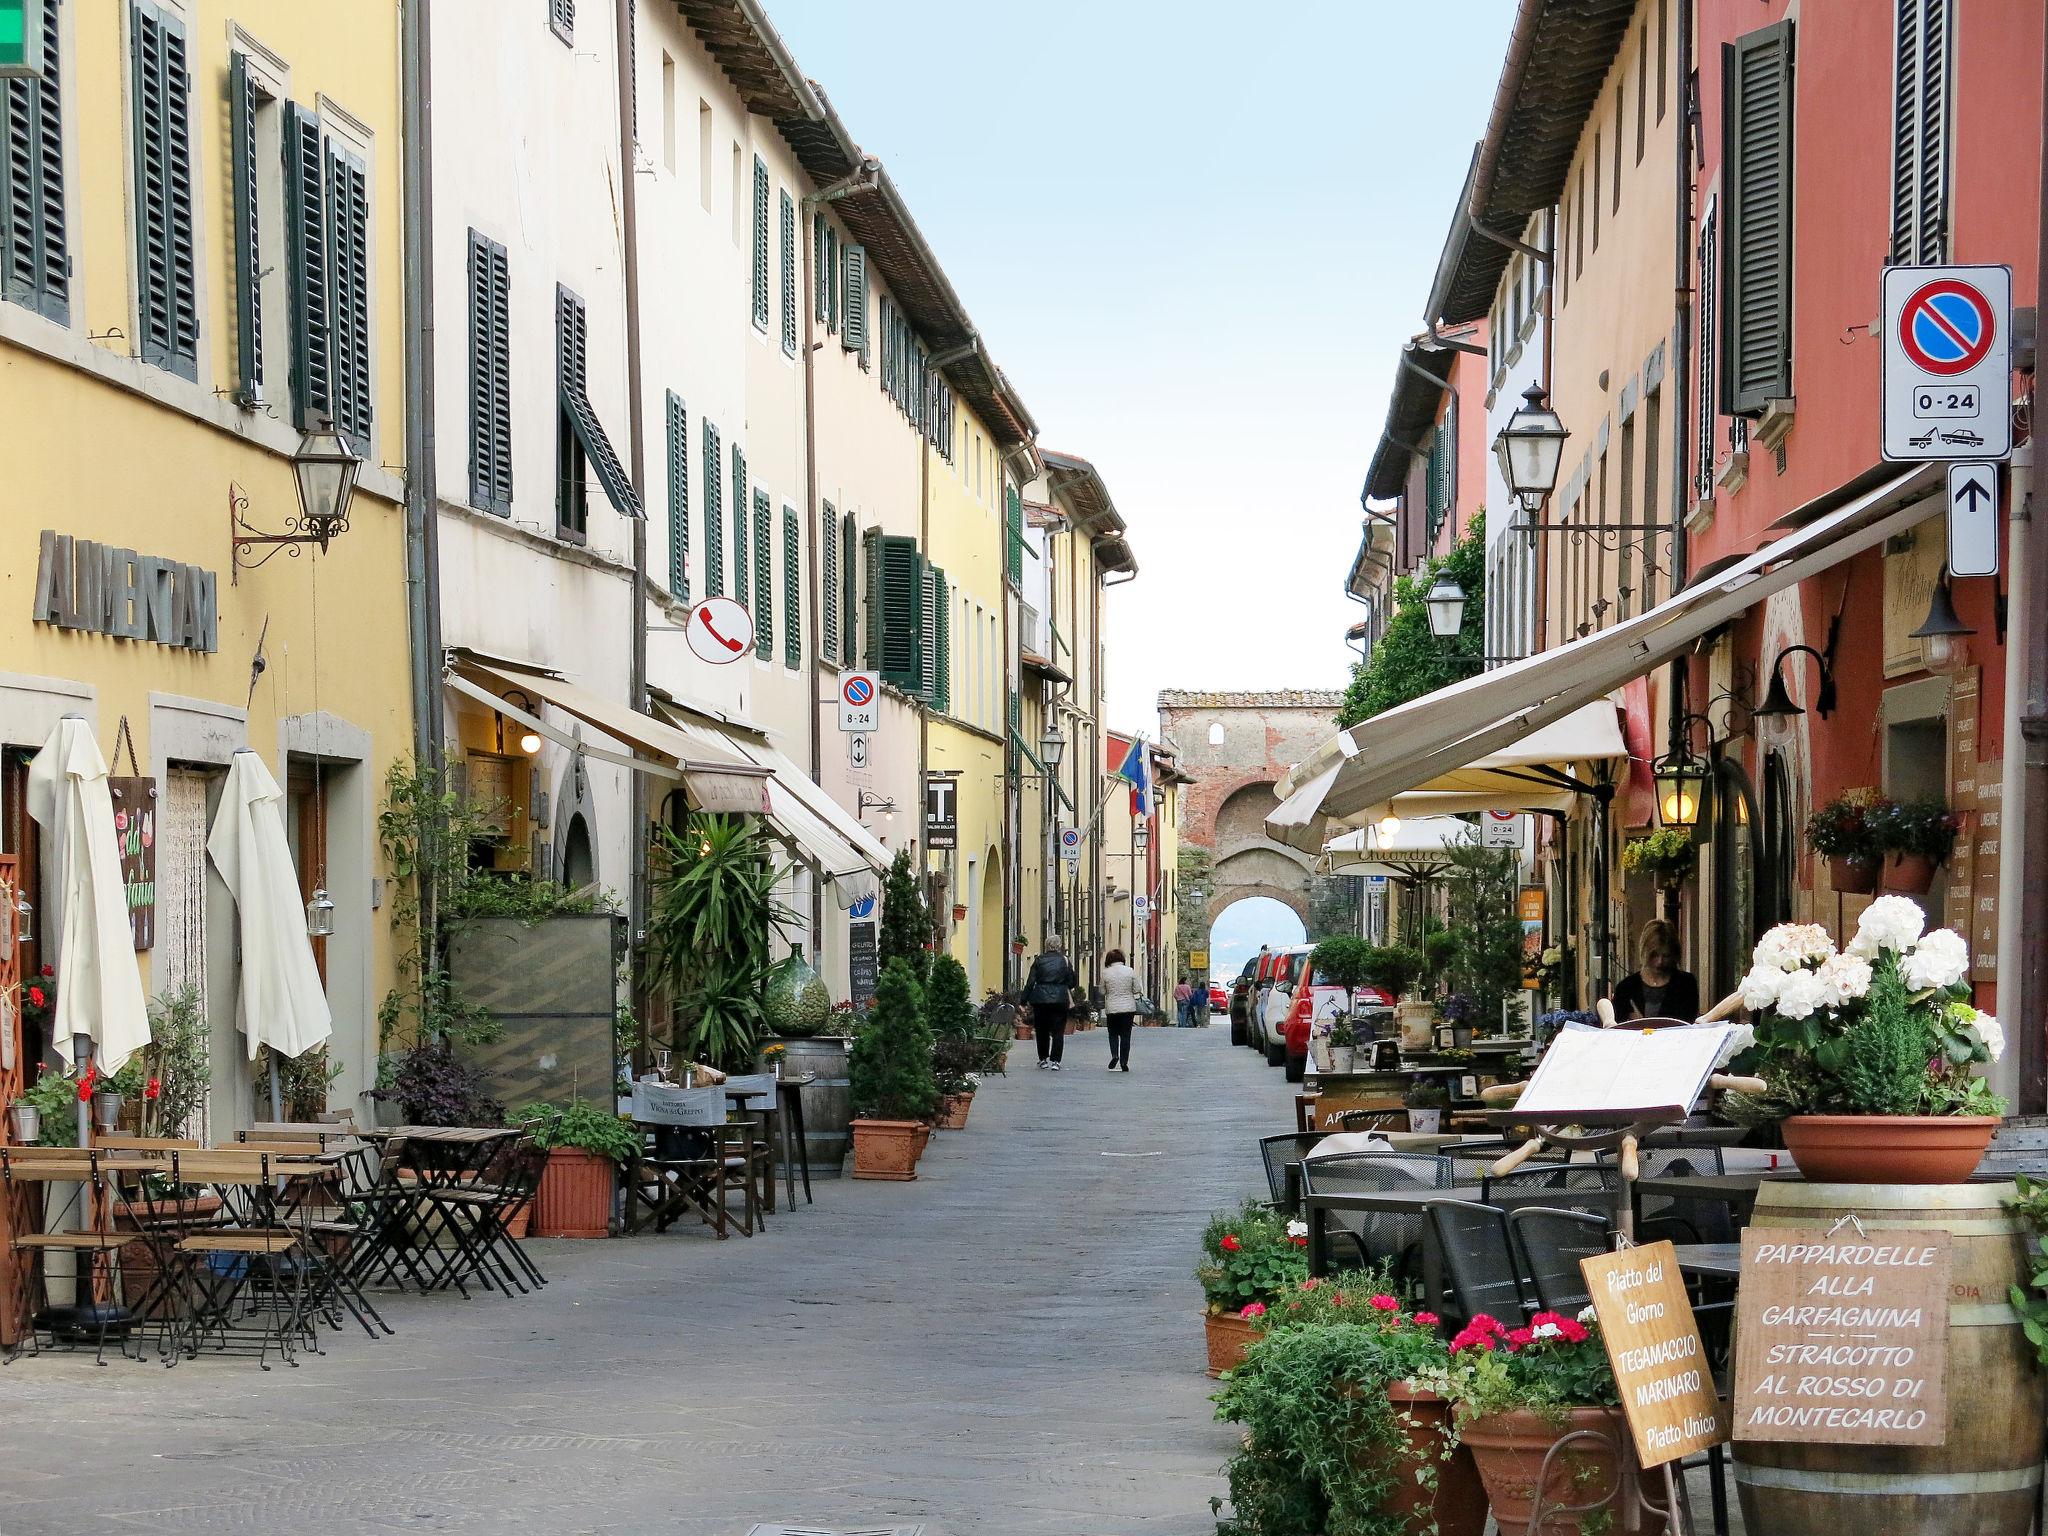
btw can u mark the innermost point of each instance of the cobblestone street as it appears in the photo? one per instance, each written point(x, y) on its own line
point(1010, 1344)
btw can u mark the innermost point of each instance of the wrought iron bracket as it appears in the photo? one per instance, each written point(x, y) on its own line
point(244, 536)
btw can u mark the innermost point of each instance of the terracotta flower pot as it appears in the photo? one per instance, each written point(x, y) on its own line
point(1509, 1449)
point(1852, 876)
point(1888, 1149)
point(1024, 1031)
point(1908, 874)
point(575, 1195)
point(1228, 1336)
point(887, 1149)
point(1458, 1505)
point(953, 1111)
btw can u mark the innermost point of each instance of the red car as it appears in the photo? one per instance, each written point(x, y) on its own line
point(1219, 1000)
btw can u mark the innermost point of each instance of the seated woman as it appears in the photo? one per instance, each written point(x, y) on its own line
point(1657, 988)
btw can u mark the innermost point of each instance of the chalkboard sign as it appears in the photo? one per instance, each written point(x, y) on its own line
point(135, 812)
point(861, 970)
point(1653, 1343)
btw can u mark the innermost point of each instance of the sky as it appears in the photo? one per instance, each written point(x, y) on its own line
point(1194, 236)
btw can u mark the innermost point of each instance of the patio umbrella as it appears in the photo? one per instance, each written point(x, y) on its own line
point(99, 989)
point(281, 1002)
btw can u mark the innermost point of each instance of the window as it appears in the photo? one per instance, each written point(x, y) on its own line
point(1653, 413)
point(828, 583)
point(668, 113)
point(704, 154)
point(37, 268)
point(1757, 328)
point(167, 310)
point(572, 496)
point(788, 275)
point(327, 267)
point(1922, 109)
point(1709, 350)
point(1663, 54)
point(853, 324)
point(740, 575)
point(490, 376)
point(562, 17)
point(1579, 228)
point(764, 576)
point(1620, 102)
point(792, 591)
point(821, 271)
point(1624, 586)
point(760, 283)
point(678, 441)
point(849, 588)
point(348, 256)
point(897, 595)
point(1596, 189)
point(245, 102)
point(938, 652)
point(1216, 733)
point(714, 514)
point(1441, 481)
point(1642, 89)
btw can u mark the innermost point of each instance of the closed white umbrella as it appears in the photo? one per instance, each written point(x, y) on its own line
point(99, 985)
point(281, 1002)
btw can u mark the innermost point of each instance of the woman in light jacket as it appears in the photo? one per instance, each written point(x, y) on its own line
point(1119, 1006)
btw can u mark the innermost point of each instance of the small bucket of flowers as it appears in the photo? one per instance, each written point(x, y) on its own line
point(1250, 1256)
point(1871, 1054)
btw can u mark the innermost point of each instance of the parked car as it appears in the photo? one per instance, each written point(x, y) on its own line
point(1285, 969)
point(1262, 968)
point(1241, 1004)
point(1219, 1000)
point(1314, 1000)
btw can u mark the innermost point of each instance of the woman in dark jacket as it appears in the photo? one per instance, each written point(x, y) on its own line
point(1657, 988)
point(1049, 993)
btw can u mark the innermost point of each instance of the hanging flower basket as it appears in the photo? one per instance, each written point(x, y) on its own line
point(1851, 875)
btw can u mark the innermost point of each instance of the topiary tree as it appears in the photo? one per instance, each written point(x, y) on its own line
point(906, 921)
point(1343, 962)
point(948, 1012)
point(889, 1068)
point(1408, 661)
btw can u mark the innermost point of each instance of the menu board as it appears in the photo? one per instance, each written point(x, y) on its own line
point(1622, 1069)
point(1653, 1343)
point(862, 970)
point(1842, 1338)
point(135, 835)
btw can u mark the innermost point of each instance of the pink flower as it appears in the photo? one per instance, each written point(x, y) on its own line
point(1384, 1303)
point(1253, 1309)
point(1573, 1330)
point(1427, 1319)
point(1483, 1323)
point(1230, 1244)
point(1520, 1336)
point(1310, 1283)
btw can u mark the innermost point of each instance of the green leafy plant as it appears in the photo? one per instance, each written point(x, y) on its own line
point(1427, 1093)
point(948, 1013)
point(1343, 1033)
point(1667, 853)
point(1394, 969)
point(889, 1067)
point(583, 1125)
point(906, 919)
point(55, 1098)
point(1846, 826)
point(1547, 1366)
point(1250, 1256)
point(302, 1081)
point(1409, 661)
point(1345, 961)
point(432, 1085)
point(2030, 1301)
point(1917, 828)
point(1439, 955)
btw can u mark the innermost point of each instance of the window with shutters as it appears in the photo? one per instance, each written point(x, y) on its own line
point(562, 18)
point(348, 284)
point(764, 575)
point(714, 514)
point(32, 230)
point(1756, 178)
point(788, 275)
point(849, 588)
point(828, 583)
point(740, 573)
point(572, 345)
point(248, 101)
point(1923, 112)
point(490, 376)
point(853, 318)
point(678, 465)
point(760, 283)
point(1441, 480)
point(821, 271)
point(939, 652)
point(305, 187)
point(899, 604)
point(167, 301)
point(792, 591)
point(1013, 535)
point(1709, 351)
point(872, 568)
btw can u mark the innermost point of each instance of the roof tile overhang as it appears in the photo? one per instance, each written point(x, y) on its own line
point(1081, 484)
point(1419, 387)
point(1375, 558)
point(1559, 53)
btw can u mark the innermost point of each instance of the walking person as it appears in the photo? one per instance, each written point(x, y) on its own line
point(1049, 993)
point(1183, 1003)
point(1120, 1007)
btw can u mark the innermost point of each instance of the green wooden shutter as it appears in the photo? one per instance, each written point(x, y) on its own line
point(740, 573)
point(834, 280)
point(1922, 112)
point(941, 647)
point(849, 589)
point(572, 362)
point(678, 498)
point(820, 272)
point(764, 575)
point(1709, 404)
point(876, 583)
point(168, 308)
point(248, 243)
point(904, 594)
point(36, 268)
point(306, 264)
point(348, 287)
point(853, 322)
point(788, 274)
point(714, 514)
point(828, 583)
point(1013, 534)
point(1757, 176)
point(792, 592)
point(760, 285)
point(490, 376)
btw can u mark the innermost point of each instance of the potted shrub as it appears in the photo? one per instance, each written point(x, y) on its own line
point(1666, 854)
point(1871, 1055)
point(1343, 1430)
point(585, 1144)
point(431, 1085)
point(1343, 1043)
point(1844, 832)
point(1516, 1393)
point(1395, 969)
point(890, 1079)
point(1427, 1099)
point(1457, 1011)
point(1249, 1257)
point(1915, 836)
point(956, 1053)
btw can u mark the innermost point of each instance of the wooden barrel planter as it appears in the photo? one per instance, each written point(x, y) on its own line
point(828, 1101)
point(1984, 1478)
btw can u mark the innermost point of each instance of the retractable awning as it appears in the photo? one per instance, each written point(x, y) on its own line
point(1411, 746)
point(716, 778)
point(1417, 850)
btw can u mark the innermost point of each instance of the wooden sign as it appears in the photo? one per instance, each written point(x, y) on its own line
point(1842, 1338)
point(1982, 833)
point(1653, 1343)
point(135, 820)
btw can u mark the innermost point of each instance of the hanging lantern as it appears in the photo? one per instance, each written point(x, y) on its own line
point(320, 915)
point(1530, 448)
point(1446, 604)
point(24, 919)
point(1681, 784)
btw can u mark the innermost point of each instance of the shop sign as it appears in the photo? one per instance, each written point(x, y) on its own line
point(109, 591)
point(942, 811)
point(1653, 1343)
point(862, 972)
point(135, 835)
point(1841, 1337)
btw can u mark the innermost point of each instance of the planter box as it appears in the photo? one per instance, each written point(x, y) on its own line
point(953, 1111)
point(575, 1195)
point(1228, 1336)
point(1458, 1505)
point(888, 1149)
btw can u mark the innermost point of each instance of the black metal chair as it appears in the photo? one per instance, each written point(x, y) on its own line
point(1479, 1262)
point(1278, 1153)
point(1548, 1245)
point(1389, 1237)
point(1674, 1217)
point(1590, 1187)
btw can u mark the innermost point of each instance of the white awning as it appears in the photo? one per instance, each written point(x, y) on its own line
point(1419, 847)
point(1412, 745)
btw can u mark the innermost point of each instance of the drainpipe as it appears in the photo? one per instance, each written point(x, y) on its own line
point(636, 449)
point(1681, 376)
point(2017, 828)
point(422, 491)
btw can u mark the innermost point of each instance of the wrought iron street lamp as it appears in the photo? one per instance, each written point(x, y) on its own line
point(324, 470)
point(1530, 448)
point(1681, 784)
point(1052, 746)
point(1446, 604)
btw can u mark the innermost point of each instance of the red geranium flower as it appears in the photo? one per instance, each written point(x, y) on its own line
point(153, 1088)
point(1230, 1244)
point(35, 997)
point(1520, 1336)
point(49, 970)
point(1385, 1303)
point(1427, 1319)
point(1253, 1309)
point(85, 1084)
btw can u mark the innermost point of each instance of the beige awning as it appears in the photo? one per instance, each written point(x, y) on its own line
point(1419, 848)
point(1415, 744)
point(715, 777)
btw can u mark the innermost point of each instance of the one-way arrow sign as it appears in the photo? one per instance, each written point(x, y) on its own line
point(1973, 520)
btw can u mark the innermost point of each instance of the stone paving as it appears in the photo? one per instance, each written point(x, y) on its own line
point(1010, 1344)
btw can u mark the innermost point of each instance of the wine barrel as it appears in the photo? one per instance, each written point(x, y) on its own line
point(1984, 1478)
point(828, 1102)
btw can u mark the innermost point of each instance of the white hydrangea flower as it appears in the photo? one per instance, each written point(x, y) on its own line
point(1993, 1033)
point(1940, 959)
point(1740, 1038)
point(1890, 922)
point(1546, 1331)
point(1799, 995)
point(1844, 978)
point(1760, 987)
point(1792, 945)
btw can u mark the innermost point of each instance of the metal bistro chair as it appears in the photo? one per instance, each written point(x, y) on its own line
point(1479, 1262)
point(1591, 1187)
point(1392, 1237)
point(1280, 1152)
point(1680, 1219)
point(88, 1320)
point(1548, 1245)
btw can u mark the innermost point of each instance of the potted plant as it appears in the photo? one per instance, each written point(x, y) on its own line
point(1844, 832)
point(1516, 1393)
point(1394, 969)
point(1344, 1430)
point(1343, 1043)
point(1457, 1011)
point(1870, 1056)
point(1249, 1256)
point(890, 1079)
point(585, 1144)
point(1666, 854)
point(1426, 1099)
point(431, 1085)
point(1915, 836)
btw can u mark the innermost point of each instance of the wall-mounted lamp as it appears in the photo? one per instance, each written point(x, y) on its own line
point(1052, 746)
point(1446, 604)
point(1530, 448)
point(1778, 705)
point(1942, 627)
point(1681, 777)
point(863, 802)
point(325, 470)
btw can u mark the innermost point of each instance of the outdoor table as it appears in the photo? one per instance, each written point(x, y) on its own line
point(1407, 1202)
point(1710, 1261)
point(1735, 1190)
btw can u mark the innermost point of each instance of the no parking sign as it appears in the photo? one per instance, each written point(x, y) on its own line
point(1947, 362)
